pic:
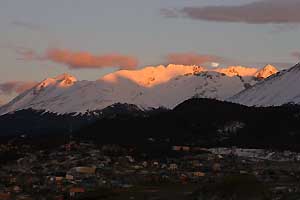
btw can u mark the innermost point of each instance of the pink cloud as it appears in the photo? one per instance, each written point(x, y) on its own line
point(190, 58)
point(80, 60)
point(10, 87)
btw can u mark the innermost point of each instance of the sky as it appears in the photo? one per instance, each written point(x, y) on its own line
point(90, 38)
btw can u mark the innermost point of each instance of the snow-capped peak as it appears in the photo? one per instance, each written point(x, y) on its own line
point(267, 71)
point(282, 88)
point(65, 76)
point(63, 80)
point(237, 71)
point(152, 75)
point(66, 80)
point(263, 73)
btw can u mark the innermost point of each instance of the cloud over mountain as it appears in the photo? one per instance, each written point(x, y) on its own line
point(259, 12)
point(190, 58)
point(80, 59)
point(10, 87)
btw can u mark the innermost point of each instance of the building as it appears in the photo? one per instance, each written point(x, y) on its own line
point(173, 167)
point(74, 192)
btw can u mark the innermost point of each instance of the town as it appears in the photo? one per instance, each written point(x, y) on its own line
point(83, 170)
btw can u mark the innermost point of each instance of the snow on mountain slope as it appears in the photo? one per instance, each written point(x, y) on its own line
point(265, 72)
point(151, 76)
point(148, 87)
point(237, 71)
point(42, 94)
point(204, 84)
point(276, 90)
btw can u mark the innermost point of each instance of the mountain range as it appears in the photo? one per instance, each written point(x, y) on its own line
point(281, 88)
point(147, 88)
point(175, 105)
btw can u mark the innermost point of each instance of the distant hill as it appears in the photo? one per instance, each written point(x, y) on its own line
point(204, 122)
point(197, 122)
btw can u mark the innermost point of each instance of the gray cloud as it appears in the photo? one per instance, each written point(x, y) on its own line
point(169, 12)
point(259, 12)
point(27, 25)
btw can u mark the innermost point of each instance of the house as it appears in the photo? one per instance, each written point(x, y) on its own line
point(181, 148)
point(216, 168)
point(58, 178)
point(137, 167)
point(155, 164)
point(76, 191)
point(86, 170)
point(145, 164)
point(173, 167)
point(81, 172)
point(198, 174)
point(196, 163)
point(69, 177)
point(17, 189)
point(130, 159)
point(23, 197)
point(199, 149)
point(164, 166)
point(59, 197)
point(183, 178)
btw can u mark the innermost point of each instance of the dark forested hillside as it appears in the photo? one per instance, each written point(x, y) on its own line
point(40, 123)
point(199, 122)
point(204, 122)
